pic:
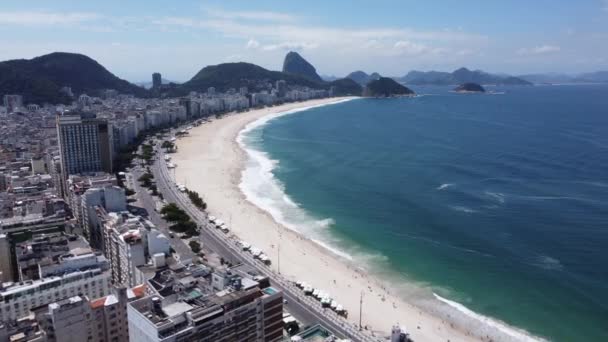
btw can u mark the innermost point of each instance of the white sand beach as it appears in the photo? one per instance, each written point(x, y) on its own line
point(210, 162)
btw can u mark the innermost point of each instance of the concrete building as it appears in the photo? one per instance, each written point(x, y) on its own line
point(69, 319)
point(129, 242)
point(78, 185)
point(13, 102)
point(17, 299)
point(34, 222)
point(79, 319)
point(109, 314)
point(281, 87)
point(6, 259)
point(26, 329)
point(38, 166)
point(188, 308)
point(44, 255)
point(85, 144)
point(111, 198)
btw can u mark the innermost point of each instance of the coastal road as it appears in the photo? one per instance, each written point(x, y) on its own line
point(147, 202)
point(303, 307)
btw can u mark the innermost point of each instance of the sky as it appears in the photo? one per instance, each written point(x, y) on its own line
point(134, 38)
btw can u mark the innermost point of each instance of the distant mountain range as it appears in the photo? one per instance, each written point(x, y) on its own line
point(363, 78)
point(556, 78)
point(40, 79)
point(329, 78)
point(235, 75)
point(459, 76)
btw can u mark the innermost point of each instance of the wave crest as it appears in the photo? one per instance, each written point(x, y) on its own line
point(517, 334)
point(444, 186)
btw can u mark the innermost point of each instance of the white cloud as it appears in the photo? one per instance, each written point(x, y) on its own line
point(177, 21)
point(290, 46)
point(250, 15)
point(465, 52)
point(412, 48)
point(539, 50)
point(372, 44)
point(41, 18)
point(252, 44)
point(277, 36)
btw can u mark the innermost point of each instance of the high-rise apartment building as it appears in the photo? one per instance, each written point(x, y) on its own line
point(12, 102)
point(85, 144)
point(157, 80)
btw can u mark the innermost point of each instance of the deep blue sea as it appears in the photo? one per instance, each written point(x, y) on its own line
point(495, 201)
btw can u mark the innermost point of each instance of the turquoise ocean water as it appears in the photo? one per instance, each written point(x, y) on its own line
point(495, 201)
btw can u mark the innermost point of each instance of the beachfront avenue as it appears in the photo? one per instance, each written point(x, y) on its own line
point(299, 304)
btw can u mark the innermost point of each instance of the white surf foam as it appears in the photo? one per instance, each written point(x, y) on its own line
point(444, 186)
point(498, 196)
point(548, 263)
point(261, 188)
point(518, 334)
point(462, 209)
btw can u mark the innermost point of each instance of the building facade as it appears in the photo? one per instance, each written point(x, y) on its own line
point(18, 299)
point(85, 144)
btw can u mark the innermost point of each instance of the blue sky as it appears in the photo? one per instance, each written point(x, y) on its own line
point(135, 38)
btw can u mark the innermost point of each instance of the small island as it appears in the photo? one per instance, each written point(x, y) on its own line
point(469, 88)
point(386, 87)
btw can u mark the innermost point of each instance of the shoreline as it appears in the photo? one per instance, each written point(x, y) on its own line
point(214, 160)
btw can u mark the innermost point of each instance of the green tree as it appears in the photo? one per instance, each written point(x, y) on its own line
point(195, 246)
point(172, 213)
point(146, 179)
point(196, 199)
point(168, 145)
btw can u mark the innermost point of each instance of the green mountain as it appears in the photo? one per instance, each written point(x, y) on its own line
point(363, 78)
point(235, 75)
point(346, 86)
point(40, 79)
point(459, 76)
point(296, 65)
point(386, 87)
